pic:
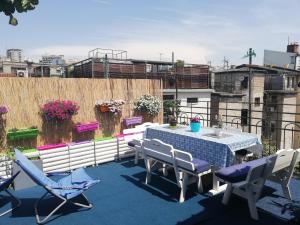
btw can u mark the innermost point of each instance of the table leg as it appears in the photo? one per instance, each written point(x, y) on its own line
point(217, 189)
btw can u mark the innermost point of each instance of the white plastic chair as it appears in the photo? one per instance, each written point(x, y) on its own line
point(137, 138)
point(188, 170)
point(283, 169)
point(155, 151)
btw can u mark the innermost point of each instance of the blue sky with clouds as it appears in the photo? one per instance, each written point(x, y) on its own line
point(197, 31)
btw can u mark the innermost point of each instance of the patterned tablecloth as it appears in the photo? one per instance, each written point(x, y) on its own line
point(218, 151)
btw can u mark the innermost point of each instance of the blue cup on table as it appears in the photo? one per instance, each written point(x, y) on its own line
point(195, 127)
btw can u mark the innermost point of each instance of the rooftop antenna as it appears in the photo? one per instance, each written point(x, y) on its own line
point(226, 62)
point(160, 55)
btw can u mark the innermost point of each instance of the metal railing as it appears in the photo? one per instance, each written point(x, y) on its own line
point(278, 127)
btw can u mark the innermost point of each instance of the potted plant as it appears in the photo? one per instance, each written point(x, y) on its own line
point(171, 108)
point(195, 124)
point(59, 110)
point(172, 121)
point(148, 104)
point(3, 110)
point(219, 127)
point(20, 134)
point(112, 106)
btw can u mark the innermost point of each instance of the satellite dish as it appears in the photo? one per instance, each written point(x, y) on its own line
point(242, 78)
point(21, 74)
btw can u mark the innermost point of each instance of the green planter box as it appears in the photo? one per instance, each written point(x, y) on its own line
point(22, 134)
point(103, 139)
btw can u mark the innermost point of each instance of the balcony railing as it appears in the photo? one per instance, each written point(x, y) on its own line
point(278, 127)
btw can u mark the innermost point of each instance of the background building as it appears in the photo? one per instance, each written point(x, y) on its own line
point(14, 55)
point(52, 60)
point(269, 107)
point(289, 59)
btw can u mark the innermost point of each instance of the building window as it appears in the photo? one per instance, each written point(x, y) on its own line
point(244, 117)
point(148, 68)
point(168, 97)
point(192, 100)
point(290, 83)
point(244, 83)
point(257, 101)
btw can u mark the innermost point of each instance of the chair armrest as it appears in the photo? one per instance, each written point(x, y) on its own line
point(58, 174)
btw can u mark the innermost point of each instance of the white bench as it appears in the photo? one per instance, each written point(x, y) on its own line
point(186, 168)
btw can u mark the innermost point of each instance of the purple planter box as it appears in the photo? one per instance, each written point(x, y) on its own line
point(80, 128)
point(46, 147)
point(133, 121)
point(78, 142)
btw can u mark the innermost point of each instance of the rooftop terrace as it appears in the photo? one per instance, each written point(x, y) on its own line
point(122, 198)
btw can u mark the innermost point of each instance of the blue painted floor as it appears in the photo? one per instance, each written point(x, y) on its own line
point(122, 198)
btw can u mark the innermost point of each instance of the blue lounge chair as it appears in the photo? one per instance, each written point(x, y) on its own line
point(4, 185)
point(65, 189)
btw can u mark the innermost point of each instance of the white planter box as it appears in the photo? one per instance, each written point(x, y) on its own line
point(106, 151)
point(56, 159)
point(85, 154)
point(5, 167)
point(82, 155)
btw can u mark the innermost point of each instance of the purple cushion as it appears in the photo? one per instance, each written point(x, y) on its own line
point(201, 165)
point(133, 143)
point(238, 172)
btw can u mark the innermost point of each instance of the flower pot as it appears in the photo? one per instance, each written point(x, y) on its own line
point(80, 128)
point(218, 132)
point(195, 127)
point(104, 108)
point(22, 134)
point(133, 121)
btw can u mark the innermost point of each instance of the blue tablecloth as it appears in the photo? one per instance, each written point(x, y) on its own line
point(218, 151)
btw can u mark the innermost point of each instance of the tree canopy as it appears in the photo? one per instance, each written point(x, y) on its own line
point(9, 7)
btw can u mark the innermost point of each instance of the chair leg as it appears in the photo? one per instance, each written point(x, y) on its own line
point(165, 170)
point(38, 219)
point(199, 184)
point(286, 191)
point(149, 170)
point(183, 187)
point(136, 158)
point(88, 205)
point(15, 199)
point(251, 205)
point(227, 194)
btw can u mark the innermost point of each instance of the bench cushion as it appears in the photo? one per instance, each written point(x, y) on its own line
point(201, 165)
point(238, 172)
point(133, 143)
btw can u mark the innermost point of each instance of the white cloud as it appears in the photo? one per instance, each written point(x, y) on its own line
point(102, 2)
point(136, 49)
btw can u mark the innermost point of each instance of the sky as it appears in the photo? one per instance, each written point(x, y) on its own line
point(197, 31)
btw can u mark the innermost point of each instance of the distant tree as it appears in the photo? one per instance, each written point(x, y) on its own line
point(9, 7)
point(179, 63)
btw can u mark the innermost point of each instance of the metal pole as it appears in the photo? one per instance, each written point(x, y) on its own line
point(250, 91)
point(176, 85)
point(93, 68)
